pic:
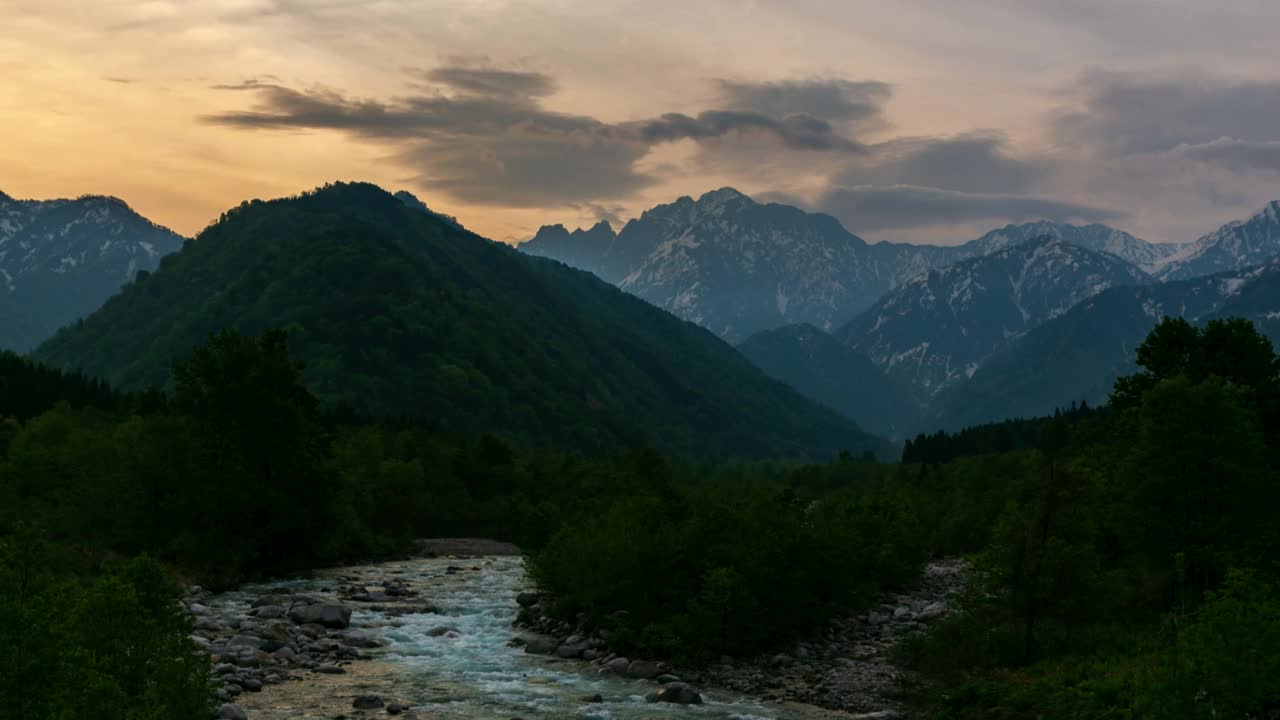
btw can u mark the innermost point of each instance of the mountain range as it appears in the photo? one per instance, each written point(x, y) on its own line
point(60, 259)
point(1078, 355)
point(399, 312)
point(938, 327)
point(897, 337)
point(736, 266)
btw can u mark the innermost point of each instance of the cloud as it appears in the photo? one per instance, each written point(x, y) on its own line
point(1134, 113)
point(795, 132)
point(483, 135)
point(866, 209)
point(978, 162)
point(492, 82)
point(830, 99)
point(1240, 155)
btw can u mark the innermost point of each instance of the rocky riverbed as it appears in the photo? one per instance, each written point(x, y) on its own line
point(846, 667)
point(434, 637)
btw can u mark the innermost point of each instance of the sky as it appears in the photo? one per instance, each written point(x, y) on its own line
point(914, 121)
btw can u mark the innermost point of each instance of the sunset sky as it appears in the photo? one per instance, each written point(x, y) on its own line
point(917, 120)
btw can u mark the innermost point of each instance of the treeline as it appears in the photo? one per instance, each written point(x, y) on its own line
point(998, 437)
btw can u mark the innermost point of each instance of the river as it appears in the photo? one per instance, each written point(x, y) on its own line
point(470, 673)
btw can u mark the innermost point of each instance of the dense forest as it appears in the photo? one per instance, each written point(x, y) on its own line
point(1124, 561)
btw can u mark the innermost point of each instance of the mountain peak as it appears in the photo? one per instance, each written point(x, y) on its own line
point(720, 196)
point(602, 225)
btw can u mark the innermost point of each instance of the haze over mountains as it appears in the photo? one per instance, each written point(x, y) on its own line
point(60, 259)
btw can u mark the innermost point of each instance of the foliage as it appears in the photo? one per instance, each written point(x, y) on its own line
point(112, 647)
point(1134, 575)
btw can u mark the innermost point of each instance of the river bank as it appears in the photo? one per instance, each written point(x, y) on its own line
point(846, 667)
point(421, 638)
point(435, 637)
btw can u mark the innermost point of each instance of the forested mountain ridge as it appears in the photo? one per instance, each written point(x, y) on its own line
point(830, 372)
point(396, 312)
point(60, 259)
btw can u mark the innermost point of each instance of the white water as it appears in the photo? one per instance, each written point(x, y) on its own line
point(474, 674)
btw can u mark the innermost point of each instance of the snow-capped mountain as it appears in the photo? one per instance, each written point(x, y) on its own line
point(1233, 246)
point(1095, 237)
point(736, 266)
point(1078, 355)
point(938, 327)
point(61, 259)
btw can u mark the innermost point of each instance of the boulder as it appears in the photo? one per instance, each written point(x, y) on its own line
point(360, 639)
point(644, 669)
point(367, 702)
point(540, 646)
point(678, 693)
point(396, 708)
point(616, 666)
point(597, 698)
point(269, 612)
point(231, 711)
point(527, 599)
point(932, 610)
point(439, 630)
point(330, 615)
point(245, 641)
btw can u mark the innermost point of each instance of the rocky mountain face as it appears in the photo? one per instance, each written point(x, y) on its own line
point(61, 259)
point(591, 250)
point(737, 267)
point(937, 328)
point(1078, 355)
point(1234, 246)
point(1095, 237)
point(730, 264)
point(832, 373)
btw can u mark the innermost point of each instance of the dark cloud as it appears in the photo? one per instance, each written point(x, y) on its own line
point(483, 135)
point(830, 99)
point(975, 162)
point(492, 82)
point(795, 132)
point(1234, 154)
point(1134, 113)
point(867, 209)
